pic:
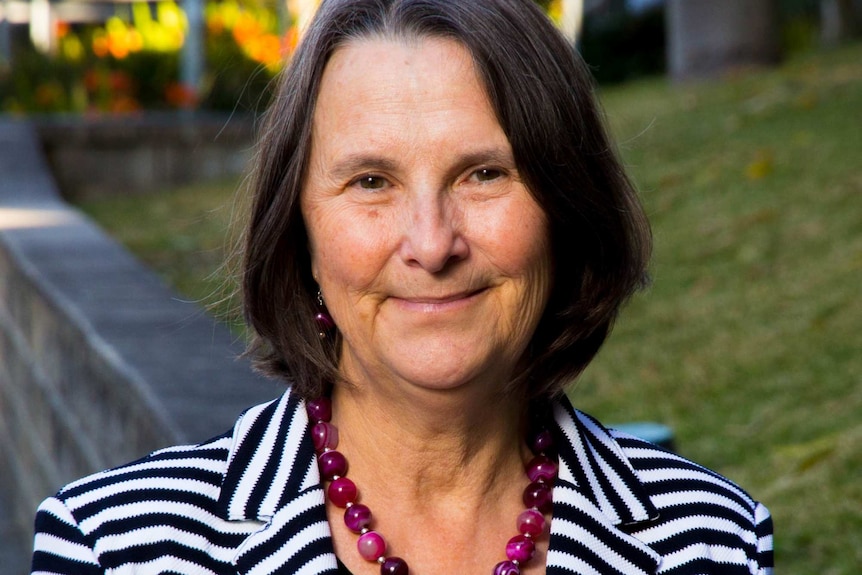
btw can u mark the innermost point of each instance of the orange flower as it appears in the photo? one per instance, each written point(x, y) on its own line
point(215, 24)
point(246, 29)
point(266, 49)
point(120, 81)
point(180, 96)
point(291, 39)
point(124, 104)
point(118, 47)
point(48, 95)
point(100, 46)
point(92, 80)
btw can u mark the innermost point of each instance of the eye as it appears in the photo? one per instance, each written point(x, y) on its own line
point(370, 182)
point(487, 174)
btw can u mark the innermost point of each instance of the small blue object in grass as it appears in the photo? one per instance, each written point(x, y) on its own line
point(657, 433)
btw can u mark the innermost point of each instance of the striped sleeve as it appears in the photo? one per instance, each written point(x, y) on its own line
point(705, 520)
point(59, 546)
point(158, 514)
point(763, 529)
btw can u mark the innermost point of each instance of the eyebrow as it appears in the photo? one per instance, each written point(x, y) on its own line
point(497, 156)
point(354, 163)
point(361, 162)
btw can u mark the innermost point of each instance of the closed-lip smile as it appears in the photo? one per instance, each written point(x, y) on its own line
point(434, 303)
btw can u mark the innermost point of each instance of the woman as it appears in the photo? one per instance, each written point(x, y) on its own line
point(441, 239)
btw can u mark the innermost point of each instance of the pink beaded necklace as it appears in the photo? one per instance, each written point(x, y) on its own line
point(342, 492)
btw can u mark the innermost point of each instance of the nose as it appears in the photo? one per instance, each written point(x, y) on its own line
point(433, 239)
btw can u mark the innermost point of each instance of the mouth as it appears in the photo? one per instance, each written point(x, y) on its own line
point(443, 299)
point(436, 303)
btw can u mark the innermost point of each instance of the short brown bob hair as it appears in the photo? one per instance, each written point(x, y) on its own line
point(543, 97)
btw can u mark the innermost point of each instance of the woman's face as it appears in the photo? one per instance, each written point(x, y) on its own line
point(431, 254)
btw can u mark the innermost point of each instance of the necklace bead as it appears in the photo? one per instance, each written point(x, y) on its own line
point(357, 517)
point(324, 435)
point(342, 492)
point(539, 495)
point(394, 566)
point(332, 464)
point(371, 545)
point(541, 468)
point(542, 442)
point(520, 548)
point(319, 409)
point(507, 568)
point(531, 522)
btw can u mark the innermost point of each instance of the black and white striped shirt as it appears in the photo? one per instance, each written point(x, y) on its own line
point(251, 502)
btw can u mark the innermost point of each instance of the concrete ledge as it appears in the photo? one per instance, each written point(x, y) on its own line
point(108, 155)
point(100, 363)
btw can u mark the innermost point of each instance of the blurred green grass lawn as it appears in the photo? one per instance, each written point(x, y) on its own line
point(749, 342)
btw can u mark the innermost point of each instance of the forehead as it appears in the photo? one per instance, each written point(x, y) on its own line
point(399, 47)
point(405, 94)
point(429, 69)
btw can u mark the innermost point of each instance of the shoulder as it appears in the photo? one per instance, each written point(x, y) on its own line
point(703, 517)
point(695, 518)
point(146, 510)
point(188, 474)
point(157, 502)
point(667, 475)
point(183, 470)
point(671, 480)
point(668, 478)
point(177, 486)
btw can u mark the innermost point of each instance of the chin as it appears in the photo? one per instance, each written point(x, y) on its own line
point(451, 374)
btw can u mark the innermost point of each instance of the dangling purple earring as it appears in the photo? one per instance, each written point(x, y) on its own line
point(322, 318)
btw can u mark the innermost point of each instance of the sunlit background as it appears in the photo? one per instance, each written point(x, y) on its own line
point(739, 121)
point(129, 55)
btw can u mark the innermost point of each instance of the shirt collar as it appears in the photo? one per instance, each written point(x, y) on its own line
point(272, 461)
point(593, 462)
point(272, 479)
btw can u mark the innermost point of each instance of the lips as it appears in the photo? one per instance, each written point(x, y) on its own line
point(432, 303)
point(441, 299)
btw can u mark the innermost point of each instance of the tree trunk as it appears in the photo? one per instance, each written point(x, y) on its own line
point(838, 21)
point(5, 39)
point(192, 56)
point(707, 38)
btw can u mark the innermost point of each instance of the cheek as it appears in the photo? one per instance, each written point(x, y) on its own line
point(517, 240)
point(348, 249)
point(530, 256)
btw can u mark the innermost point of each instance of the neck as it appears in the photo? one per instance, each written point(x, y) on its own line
point(449, 459)
point(454, 442)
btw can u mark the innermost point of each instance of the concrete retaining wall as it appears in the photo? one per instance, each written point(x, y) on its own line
point(139, 154)
point(100, 363)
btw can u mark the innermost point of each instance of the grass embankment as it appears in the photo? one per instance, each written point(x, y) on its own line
point(749, 342)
